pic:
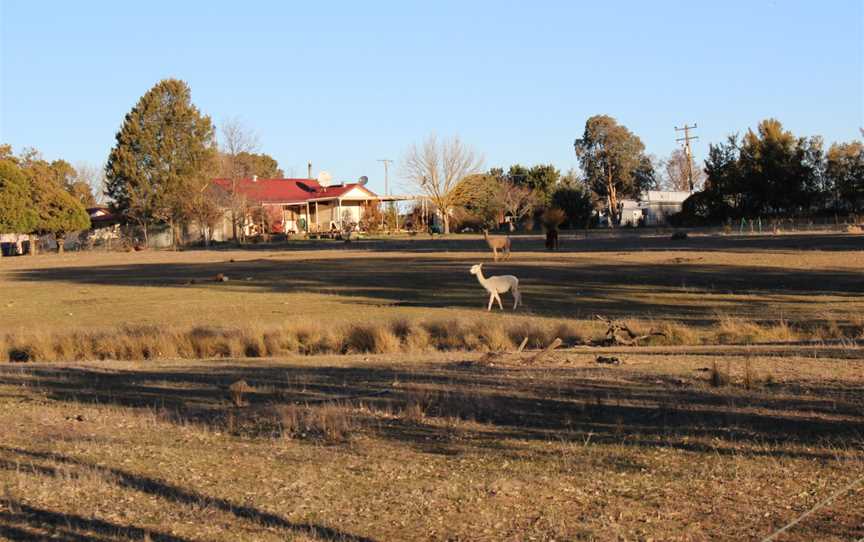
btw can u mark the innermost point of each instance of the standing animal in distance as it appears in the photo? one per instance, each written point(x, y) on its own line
point(498, 285)
point(496, 243)
point(552, 239)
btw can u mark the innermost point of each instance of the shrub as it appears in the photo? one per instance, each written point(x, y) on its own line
point(552, 218)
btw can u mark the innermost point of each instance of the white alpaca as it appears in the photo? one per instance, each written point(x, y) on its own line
point(498, 285)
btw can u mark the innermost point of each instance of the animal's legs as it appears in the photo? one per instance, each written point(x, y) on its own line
point(498, 297)
point(517, 298)
point(491, 299)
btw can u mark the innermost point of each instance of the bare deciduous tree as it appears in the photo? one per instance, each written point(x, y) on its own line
point(435, 169)
point(94, 178)
point(236, 140)
point(517, 201)
point(677, 173)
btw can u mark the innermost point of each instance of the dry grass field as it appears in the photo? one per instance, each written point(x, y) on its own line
point(746, 415)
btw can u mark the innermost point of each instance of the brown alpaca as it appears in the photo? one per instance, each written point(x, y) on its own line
point(552, 239)
point(496, 243)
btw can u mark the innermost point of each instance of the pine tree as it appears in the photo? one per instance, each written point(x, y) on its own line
point(164, 155)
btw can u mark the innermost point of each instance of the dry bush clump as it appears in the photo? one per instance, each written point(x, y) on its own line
point(133, 343)
point(832, 329)
point(538, 335)
point(732, 330)
point(677, 334)
point(569, 334)
point(329, 422)
point(317, 340)
point(779, 331)
point(445, 335)
point(413, 336)
point(493, 336)
point(718, 377)
point(367, 338)
point(470, 405)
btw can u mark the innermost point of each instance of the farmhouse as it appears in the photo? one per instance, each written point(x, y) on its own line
point(298, 205)
point(653, 209)
point(659, 204)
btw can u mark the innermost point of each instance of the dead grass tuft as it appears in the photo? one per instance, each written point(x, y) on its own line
point(367, 338)
point(538, 336)
point(718, 378)
point(678, 334)
point(134, 343)
point(329, 422)
point(733, 330)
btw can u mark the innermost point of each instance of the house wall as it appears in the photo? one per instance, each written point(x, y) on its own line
point(656, 213)
point(352, 211)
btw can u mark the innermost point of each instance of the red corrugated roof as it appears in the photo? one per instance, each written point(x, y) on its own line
point(286, 190)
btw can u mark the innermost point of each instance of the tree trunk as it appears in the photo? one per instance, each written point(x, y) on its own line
point(33, 249)
point(61, 240)
point(613, 200)
point(446, 219)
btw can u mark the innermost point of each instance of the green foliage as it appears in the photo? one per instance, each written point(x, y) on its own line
point(845, 173)
point(57, 211)
point(249, 164)
point(768, 172)
point(165, 153)
point(52, 209)
point(81, 191)
point(479, 195)
point(573, 197)
point(16, 209)
point(541, 180)
point(613, 162)
point(780, 172)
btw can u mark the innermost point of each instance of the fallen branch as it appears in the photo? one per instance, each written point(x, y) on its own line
point(552, 346)
point(619, 334)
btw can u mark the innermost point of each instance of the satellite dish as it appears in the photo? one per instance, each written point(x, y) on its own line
point(363, 180)
point(324, 178)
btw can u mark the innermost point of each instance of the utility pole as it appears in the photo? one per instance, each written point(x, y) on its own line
point(386, 162)
point(686, 139)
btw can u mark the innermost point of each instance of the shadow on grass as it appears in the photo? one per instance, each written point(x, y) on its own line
point(598, 241)
point(20, 521)
point(45, 464)
point(560, 287)
point(508, 404)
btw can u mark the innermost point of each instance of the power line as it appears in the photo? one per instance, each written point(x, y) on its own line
point(686, 139)
point(386, 162)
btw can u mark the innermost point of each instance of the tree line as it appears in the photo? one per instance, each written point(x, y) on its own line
point(767, 172)
point(772, 172)
point(157, 174)
point(38, 197)
point(165, 157)
point(166, 153)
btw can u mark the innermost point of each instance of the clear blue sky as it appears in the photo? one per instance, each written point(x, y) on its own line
point(345, 83)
